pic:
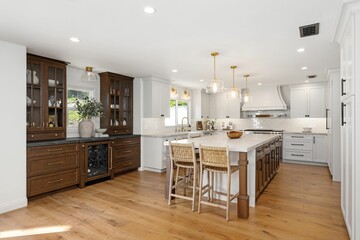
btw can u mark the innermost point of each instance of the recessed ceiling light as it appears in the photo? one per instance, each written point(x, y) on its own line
point(149, 10)
point(74, 39)
point(201, 80)
point(259, 83)
point(301, 50)
point(307, 81)
point(303, 68)
point(174, 70)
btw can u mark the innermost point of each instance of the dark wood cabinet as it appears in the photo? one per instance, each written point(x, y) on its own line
point(46, 98)
point(52, 167)
point(116, 94)
point(125, 154)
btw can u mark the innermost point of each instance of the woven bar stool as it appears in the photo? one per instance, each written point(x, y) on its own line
point(183, 156)
point(216, 160)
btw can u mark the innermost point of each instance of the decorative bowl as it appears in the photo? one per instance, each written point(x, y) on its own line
point(234, 134)
point(100, 130)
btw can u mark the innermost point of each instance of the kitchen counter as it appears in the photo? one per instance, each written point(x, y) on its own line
point(242, 152)
point(312, 133)
point(78, 140)
point(169, 134)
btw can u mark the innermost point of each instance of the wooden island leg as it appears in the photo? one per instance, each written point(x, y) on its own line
point(243, 198)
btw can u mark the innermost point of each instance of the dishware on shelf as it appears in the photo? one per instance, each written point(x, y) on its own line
point(234, 134)
point(52, 83)
point(100, 130)
point(35, 79)
point(116, 123)
point(28, 101)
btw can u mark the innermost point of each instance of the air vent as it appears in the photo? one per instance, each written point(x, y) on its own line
point(309, 30)
point(312, 76)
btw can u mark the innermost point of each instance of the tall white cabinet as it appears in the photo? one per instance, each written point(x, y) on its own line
point(156, 98)
point(348, 35)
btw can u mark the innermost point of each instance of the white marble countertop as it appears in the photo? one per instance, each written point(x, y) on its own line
point(311, 133)
point(169, 134)
point(246, 143)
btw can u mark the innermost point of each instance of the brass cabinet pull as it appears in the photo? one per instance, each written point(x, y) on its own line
point(55, 149)
point(56, 135)
point(111, 157)
point(127, 141)
point(55, 163)
point(127, 151)
point(56, 181)
point(128, 164)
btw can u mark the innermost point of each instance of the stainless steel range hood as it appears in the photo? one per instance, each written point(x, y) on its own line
point(264, 98)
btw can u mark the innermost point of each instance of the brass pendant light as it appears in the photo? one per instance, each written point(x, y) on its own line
point(234, 91)
point(246, 97)
point(215, 85)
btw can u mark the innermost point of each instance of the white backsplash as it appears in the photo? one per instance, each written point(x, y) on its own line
point(157, 125)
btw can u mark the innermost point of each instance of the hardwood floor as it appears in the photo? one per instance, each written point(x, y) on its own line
point(300, 203)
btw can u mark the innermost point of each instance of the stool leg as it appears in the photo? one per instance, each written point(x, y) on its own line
point(194, 189)
point(228, 196)
point(200, 188)
point(171, 183)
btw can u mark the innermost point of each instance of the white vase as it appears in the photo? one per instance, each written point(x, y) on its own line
point(86, 128)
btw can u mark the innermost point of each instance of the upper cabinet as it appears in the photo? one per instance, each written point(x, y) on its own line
point(116, 94)
point(307, 101)
point(223, 106)
point(156, 99)
point(200, 105)
point(46, 98)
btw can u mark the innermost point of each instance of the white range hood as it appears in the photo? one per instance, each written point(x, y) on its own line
point(264, 98)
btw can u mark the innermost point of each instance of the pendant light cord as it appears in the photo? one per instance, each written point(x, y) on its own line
point(214, 67)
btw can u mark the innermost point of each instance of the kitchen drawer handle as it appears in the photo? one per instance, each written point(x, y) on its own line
point(128, 164)
point(343, 106)
point(54, 163)
point(55, 150)
point(55, 181)
point(127, 141)
point(297, 144)
point(297, 136)
point(297, 155)
point(342, 87)
point(127, 151)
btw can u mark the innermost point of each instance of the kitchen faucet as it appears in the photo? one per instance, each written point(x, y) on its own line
point(182, 123)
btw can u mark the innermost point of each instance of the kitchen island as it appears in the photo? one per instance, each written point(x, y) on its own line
point(257, 156)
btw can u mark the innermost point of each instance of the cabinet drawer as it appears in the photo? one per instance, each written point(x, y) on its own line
point(125, 152)
point(51, 182)
point(112, 132)
point(298, 145)
point(122, 166)
point(298, 155)
point(298, 137)
point(53, 163)
point(50, 150)
point(31, 137)
point(125, 141)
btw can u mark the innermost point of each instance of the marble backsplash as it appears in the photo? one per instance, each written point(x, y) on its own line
point(157, 125)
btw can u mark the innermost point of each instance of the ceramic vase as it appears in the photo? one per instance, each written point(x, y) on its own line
point(86, 128)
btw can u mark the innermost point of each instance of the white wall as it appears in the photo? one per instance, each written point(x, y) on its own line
point(13, 144)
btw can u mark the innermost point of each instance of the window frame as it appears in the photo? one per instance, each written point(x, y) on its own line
point(175, 124)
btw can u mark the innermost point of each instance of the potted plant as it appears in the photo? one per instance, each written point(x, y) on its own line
point(87, 109)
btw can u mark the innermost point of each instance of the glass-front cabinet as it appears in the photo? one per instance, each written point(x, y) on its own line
point(116, 93)
point(45, 100)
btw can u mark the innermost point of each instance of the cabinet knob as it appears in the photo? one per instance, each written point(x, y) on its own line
point(32, 136)
point(55, 134)
point(161, 115)
point(115, 131)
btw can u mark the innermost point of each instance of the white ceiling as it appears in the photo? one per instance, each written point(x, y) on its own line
point(259, 36)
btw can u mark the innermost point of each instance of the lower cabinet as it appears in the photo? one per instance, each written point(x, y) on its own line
point(51, 168)
point(305, 148)
point(267, 164)
point(125, 154)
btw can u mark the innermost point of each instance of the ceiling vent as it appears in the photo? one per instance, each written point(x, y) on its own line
point(309, 30)
point(312, 76)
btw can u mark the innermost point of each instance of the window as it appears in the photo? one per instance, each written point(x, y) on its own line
point(178, 110)
point(73, 94)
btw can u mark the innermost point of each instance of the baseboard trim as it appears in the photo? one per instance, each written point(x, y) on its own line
point(12, 205)
point(154, 169)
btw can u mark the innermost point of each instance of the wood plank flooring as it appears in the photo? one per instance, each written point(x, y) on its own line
point(301, 202)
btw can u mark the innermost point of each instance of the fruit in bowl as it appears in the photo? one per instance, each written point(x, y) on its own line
point(234, 134)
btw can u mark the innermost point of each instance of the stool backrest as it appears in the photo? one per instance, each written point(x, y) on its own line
point(182, 152)
point(214, 156)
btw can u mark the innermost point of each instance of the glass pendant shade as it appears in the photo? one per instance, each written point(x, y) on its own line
point(234, 92)
point(186, 95)
point(215, 85)
point(246, 97)
point(89, 75)
point(173, 93)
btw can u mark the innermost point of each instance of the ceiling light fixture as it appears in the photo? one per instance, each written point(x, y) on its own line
point(215, 85)
point(307, 81)
point(173, 93)
point(246, 97)
point(259, 83)
point(300, 50)
point(234, 91)
point(174, 70)
point(303, 68)
point(74, 39)
point(89, 75)
point(149, 10)
point(201, 80)
point(186, 95)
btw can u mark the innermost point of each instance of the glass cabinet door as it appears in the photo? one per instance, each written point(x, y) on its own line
point(34, 93)
point(56, 96)
point(126, 110)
